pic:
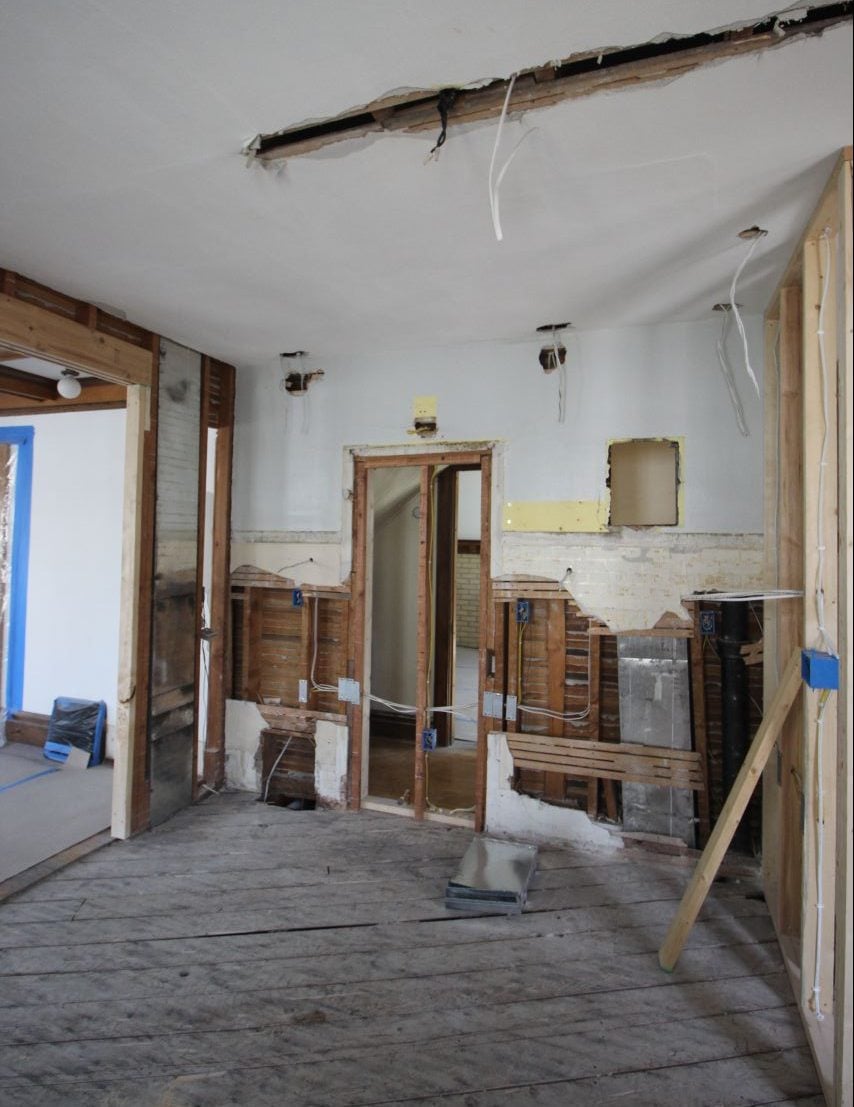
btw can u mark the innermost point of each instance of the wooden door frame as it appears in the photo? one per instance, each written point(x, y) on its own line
point(42, 323)
point(364, 461)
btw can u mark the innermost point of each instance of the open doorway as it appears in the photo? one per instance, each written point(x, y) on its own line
point(421, 554)
point(61, 514)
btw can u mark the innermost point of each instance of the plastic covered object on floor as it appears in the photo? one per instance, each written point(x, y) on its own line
point(494, 875)
point(79, 723)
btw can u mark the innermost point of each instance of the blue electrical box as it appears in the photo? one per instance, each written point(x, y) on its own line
point(523, 611)
point(819, 670)
point(428, 739)
point(298, 598)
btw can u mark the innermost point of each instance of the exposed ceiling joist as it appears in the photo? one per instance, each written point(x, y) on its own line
point(577, 76)
point(15, 382)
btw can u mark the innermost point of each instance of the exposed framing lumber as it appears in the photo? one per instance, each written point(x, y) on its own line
point(95, 395)
point(788, 833)
point(816, 277)
point(141, 783)
point(425, 618)
point(25, 386)
point(358, 717)
point(31, 328)
point(487, 636)
point(698, 718)
point(445, 589)
point(129, 704)
point(554, 784)
point(594, 760)
point(577, 76)
point(843, 1065)
point(220, 606)
point(733, 809)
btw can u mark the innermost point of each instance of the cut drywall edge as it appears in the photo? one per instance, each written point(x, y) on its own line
point(330, 763)
point(512, 814)
point(556, 516)
point(243, 726)
point(680, 476)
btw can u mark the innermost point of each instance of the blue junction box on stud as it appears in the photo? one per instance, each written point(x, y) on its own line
point(819, 670)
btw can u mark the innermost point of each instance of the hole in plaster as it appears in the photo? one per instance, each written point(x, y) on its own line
point(644, 481)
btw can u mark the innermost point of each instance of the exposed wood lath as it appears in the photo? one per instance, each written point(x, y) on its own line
point(576, 76)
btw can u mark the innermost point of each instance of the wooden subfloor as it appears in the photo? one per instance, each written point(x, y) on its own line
point(244, 954)
point(450, 773)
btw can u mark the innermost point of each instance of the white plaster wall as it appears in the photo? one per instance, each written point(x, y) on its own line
point(635, 382)
point(513, 815)
point(291, 489)
point(468, 505)
point(394, 627)
point(74, 581)
point(243, 726)
point(330, 763)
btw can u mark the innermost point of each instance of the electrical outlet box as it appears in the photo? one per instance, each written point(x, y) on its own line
point(510, 709)
point(348, 690)
point(819, 670)
point(492, 705)
point(303, 691)
point(428, 738)
point(523, 611)
point(707, 623)
point(298, 599)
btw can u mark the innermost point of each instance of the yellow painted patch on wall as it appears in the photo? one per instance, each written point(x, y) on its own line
point(557, 516)
point(424, 407)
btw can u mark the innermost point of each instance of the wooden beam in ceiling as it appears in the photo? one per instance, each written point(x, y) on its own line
point(95, 395)
point(27, 386)
point(37, 321)
point(542, 86)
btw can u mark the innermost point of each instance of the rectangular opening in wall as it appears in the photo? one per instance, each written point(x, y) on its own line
point(644, 480)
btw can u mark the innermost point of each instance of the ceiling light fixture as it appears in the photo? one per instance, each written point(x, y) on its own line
point(68, 385)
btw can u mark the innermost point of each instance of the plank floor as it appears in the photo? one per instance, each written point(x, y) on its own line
point(244, 954)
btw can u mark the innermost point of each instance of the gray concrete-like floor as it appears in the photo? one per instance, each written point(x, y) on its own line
point(45, 808)
point(243, 954)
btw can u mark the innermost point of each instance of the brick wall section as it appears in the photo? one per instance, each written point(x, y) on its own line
point(468, 600)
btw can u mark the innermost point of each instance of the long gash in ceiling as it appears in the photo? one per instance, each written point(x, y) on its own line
point(541, 86)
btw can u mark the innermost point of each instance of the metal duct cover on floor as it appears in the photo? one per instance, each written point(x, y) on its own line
point(493, 875)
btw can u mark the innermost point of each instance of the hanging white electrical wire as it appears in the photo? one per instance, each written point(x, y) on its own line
point(561, 385)
point(824, 640)
point(728, 374)
point(819, 854)
point(759, 234)
point(495, 182)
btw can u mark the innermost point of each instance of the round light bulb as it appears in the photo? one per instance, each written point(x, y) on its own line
point(68, 387)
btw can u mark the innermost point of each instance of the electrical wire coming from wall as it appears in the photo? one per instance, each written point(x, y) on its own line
point(726, 369)
point(755, 234)
point(815, 1001)
point(495, 182)
point(823, 638)
point(560, 362)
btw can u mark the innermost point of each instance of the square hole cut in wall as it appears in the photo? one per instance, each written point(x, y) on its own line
point(644, 481)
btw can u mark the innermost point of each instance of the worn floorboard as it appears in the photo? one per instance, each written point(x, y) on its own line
point(245, 954)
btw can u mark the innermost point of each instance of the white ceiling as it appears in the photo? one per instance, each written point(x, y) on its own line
point(122, 180)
